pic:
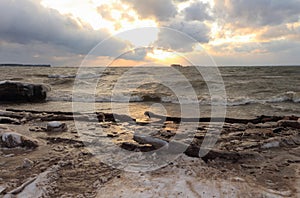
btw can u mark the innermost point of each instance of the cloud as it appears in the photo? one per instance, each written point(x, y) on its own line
point(197, 11)
point(137, 54)
point(182, 36)
point(26, 22)
point(37, 53)
point(269, 53)
point(280, 46)
point(257, 13)
point(290, 32)
point(162, 10)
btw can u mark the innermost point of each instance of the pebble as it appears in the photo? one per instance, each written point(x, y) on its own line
point(112, 135)
point(43, 168)
point(250, 125)
point(278, 130)
point(273, 144)
point(9, 155)
point(27, 163)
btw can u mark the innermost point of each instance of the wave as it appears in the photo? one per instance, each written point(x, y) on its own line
point(285, 97)
point(289, 96)
point(80, 76)
point(60, 76)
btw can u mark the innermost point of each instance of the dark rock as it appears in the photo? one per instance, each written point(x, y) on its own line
point(7, 120)
point(193, 151)
point(278, 130)
point(155, 142)
point(130, 146)
point(112, 135)
point(289, 123)
point(11, 91)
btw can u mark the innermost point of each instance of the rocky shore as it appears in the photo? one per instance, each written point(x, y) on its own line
point(43, 154)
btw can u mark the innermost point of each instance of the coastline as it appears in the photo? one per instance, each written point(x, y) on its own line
point(249, 159)
point(254, 160)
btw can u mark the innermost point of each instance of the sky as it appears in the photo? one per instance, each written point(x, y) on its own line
point(150, 32)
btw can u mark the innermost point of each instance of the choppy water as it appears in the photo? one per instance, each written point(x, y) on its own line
point(250, 91)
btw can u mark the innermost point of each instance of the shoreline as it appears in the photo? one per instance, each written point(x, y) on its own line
point(65, 164)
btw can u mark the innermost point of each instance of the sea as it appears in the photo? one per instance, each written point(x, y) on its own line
point(239, 92)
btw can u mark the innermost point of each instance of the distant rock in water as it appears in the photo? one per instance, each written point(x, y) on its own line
point(11, 91)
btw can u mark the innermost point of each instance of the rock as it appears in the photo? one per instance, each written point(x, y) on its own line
point(27, 163)
point(278, 130)
point(289, 123)
point(212, 154)
point(11, 91)
point(155, 142)
point(167, 133)
point(12, 140)
point(239, 127)
point(274, 144)
point(8, 120)
point(131, 146)
point(266, 125)
point(56, 126)
point(2, 189)
point(9, 155)
point(112, 135)
point(250, 125)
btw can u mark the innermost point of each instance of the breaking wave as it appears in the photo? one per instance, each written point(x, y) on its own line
point(285, 97)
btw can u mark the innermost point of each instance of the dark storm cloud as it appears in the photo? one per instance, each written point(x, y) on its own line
point(162, 10)
point(26, 22)
point(37, 53)
point(197, 11)
point(182, 36)
point(256, 13)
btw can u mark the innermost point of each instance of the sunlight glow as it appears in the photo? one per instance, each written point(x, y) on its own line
point(162, 55)
point(235, 39)
point(86, 11)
